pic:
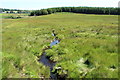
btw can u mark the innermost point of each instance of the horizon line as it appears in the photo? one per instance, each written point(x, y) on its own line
point(59, 7)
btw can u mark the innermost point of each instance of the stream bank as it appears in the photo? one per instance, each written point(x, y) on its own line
point(46, 61)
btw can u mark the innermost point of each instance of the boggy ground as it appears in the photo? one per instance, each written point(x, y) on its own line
point(88, 46)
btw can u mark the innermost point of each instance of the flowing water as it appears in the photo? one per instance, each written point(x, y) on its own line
point(47, 62)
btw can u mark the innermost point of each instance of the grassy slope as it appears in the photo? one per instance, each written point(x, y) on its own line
point(84, 37)
point(8, 15)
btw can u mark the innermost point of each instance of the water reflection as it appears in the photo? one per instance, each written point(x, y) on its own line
point(46, 61)
point(54, 42)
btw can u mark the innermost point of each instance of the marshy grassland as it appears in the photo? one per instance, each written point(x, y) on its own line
point(88, 47)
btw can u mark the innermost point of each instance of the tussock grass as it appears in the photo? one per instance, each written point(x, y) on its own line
point(88, 47)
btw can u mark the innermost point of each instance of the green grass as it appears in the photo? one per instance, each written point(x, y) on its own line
point(13, 15)
point(85, 37)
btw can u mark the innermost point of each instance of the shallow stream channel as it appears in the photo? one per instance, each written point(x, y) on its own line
point(46, 61)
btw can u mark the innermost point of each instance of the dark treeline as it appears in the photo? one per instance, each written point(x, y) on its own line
point(86, 10)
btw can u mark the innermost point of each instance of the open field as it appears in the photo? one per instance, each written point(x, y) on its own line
point(88, 48)
point(13, 15)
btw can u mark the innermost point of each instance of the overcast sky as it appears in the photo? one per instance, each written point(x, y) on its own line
point(39, 4)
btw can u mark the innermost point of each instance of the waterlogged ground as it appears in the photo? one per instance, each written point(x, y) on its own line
point(88, 46)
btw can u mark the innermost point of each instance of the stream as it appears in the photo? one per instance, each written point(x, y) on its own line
point(47, 62)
